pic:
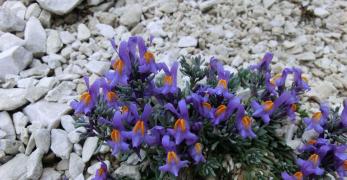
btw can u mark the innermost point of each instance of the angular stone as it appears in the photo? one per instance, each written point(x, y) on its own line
point(35, 36)
point(66, 37)
point(16, 168)
point(59, 7)
point(50, 174)
point(131, 16)
point(11, 99)
point(9, 40)
point(68, 123)
point(9, 21)
point(42, 139)
point(14, 60)
point(106, 30)
point(83, 33)
point(6, 125)
point(34, 165)
point(128, 171)
point(76, 165)
point(321, 12)
point(89, 147)
point(20, 121)
point(60, 144)
point(61, 91)
point(98, 67)
point(187, 41)
point(306, 56)
point(33, 10)
point(10, 146)
point(46, 113)
point(54, 43)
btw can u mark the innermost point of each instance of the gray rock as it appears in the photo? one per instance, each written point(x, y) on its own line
point(77, 148)
point(45, 18)
point(54, 43)
point(187, 41)
point(16, 168)
point(306, 56)
point(94, 2)
point(14, 60)
point(59, 7)
point(10, 146)
point(11, 99)
point(321, 12)
point(207, 5)
point(68, 123)
point(40, 70)
point(128, 171)
point(34, 165)
point(61, 91)
point(46, 113)
point(17, 7)
point(83, 33)
point(63, 165)
point(106, 30)
point(79, 177)
point(50, 174)
point(9, 21)
point(134, 159)
point(42, 139)
point(9, 40)
point(35, 93)
point(89, 147)
point(33, 10)
point(66, 37)
point(76, 165)
point(98, 67)
point(131, 15)
point(268, 3)
point(35, 36)
point(20, 121)
point(60, 144)
point(30, 146)
point(6, 125)
point(75, 135)
point(168, 6)
point(2, 134)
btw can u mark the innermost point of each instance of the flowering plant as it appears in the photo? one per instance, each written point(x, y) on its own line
point(219, 118)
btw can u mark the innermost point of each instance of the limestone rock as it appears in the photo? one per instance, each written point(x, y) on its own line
point(59, 7)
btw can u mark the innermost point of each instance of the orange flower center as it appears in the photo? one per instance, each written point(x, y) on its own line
point(316, 116)
point(312, 141)
point(294, 107)
point(345, 165)
point(268, 105)
point(274, 79)
point(298, 175)
point(101, 171)
point(198, 148)
point(206, 105)
point(111, 96)
point(172, 157)
point(223, 83)
point(181, 124)
point(314, 158)
point(148, 56)
point(246, 122)
point(124, 109)
point(118, 66)
point(168, 80)
point(115, 135)
point(139, 127)
point(86, 97)
point(220, 110)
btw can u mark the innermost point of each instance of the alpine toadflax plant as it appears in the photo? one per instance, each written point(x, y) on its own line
point(137, 106)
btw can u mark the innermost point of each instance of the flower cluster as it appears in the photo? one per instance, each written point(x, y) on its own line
point(145, 109)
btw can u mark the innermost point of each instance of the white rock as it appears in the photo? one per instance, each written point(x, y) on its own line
point(66, 37)
point(20, 121)
point(207, 5)
point(60, 144)
point(9, 21)
point(294, 144)
point(35, 93)
point(134, 159)
point(10, 146)
point(187, 41)
point(35, 36)
point(93, 168)
point(54, 43)
point(59, 7)
point(34, 165)
point(33, 10)
point(68, 123)
point(131, 15)
point(320, 12)
point(47, 82)
point(128, 171)
point(94, 2)
point(106, 30)
point(89, 147)
point(17, 7)
point(38, 71)
point(79, 177)
point(98, 67)
point(77, 148)
point(61, 91)
point(306, 56)
point(323, 90)
point(76, 165)
point(50, 174)
point(75, 135)
point(2, 134)
point(42, 139)
point(6, 125)
point(168, 6)
point(83, 32)
point(9, 40)
point(46, 113)
point(155, 28)
point(63, 165)
point(11, 99)
point(15, 168)
point(268, 3)
point(14, 60)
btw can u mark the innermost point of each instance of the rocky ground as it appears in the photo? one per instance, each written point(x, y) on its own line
point(47, 46)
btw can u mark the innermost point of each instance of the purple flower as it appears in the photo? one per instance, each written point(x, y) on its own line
point(244, 123)
point(101, 173)
point(138, 133)
point(342, 169)
point(341, 152)
point(264, 65)
point(170, 79)
point(223, 112)
point(88, 99)
point(215, 65)
point(181, 130)
point(296, 176)
point(264, 111)
point(147, 61)
point(196, 153)
point(311, 166)
point(313, 145)
point(109, 95)
point(318, 119)
point(201, 104)
point(154, 135)
point(269, 84)
point(300, 81)
point(121, 67)
point(344, 114)
point(173, 163)
point(117, 142)
point(223, 79)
